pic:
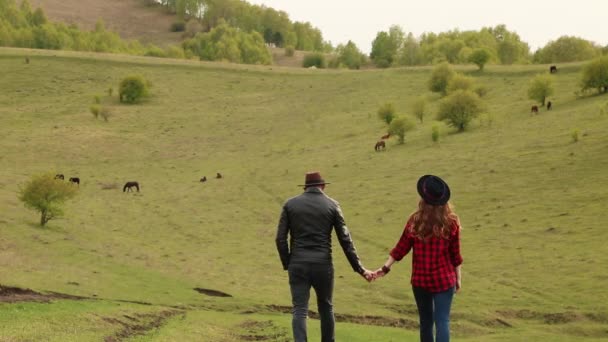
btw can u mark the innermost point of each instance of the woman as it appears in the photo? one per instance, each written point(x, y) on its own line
point(433, 231)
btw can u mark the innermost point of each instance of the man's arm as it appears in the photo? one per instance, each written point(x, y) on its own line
point(281, 239)
point(346, 241)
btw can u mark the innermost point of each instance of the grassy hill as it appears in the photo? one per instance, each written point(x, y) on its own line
point(530, 200)
point(131, 19)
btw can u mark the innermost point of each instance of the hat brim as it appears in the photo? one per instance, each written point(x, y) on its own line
point(433, 201)
point(316, 183)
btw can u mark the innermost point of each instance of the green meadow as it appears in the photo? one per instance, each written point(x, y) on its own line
point(531, 200)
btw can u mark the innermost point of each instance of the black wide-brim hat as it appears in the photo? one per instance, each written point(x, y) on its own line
point(313, 178)
point(433, 190)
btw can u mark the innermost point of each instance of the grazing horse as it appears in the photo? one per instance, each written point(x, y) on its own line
point(218, 176)
point(534, 109)
point(75, 180)
point(204, 179)
point(553, 69)
point(549, 105)
point(130, 185)
point(380, 145)
point(59, 176)
point(386, 136)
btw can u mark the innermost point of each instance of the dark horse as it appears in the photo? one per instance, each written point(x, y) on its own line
point(552, 69)
point(75, 180)
point(534, 109)
point(59, 176)
point(380, 145)
point(129, 185)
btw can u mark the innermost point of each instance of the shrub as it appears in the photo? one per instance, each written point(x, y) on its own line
point(435, 133)
point(132, 89)
point(460, 82)
point(574, 135)
point(316, 59)
point(540, 88)
point(105, 113)
point(95, 110)
point(178, 26)
point(459, 109)
point(97, 99)
point(480, 90)
point(419, 108)
point(290, 51)
point(155, 51)
point(110, 91)
point(440, 77)
point(400, 126)
point(45, 194)
point(175, 52)
point(595, 75)
point(386, 113)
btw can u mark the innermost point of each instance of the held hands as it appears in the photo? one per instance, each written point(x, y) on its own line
point(371, 276)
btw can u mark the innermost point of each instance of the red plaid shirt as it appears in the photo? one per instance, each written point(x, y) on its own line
point(434, 261)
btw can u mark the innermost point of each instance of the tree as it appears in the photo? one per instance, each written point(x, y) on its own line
point(350, 56)
point(400, 126)
point(540, 88)
point(459, 109)
point(595, 75)
point(132, 89)
point(479, 57)
point(46, 194)
point(440, 77)
point(386, 46)
point(386, 113)
point(419, 108)
point(567, 49)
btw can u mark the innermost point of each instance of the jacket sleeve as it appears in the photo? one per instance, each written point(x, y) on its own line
point(346, 241)
point(281, 239)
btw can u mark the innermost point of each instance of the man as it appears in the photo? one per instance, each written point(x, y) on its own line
point(310, 218)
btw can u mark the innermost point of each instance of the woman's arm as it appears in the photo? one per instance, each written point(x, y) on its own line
point(382, 271)
point(458, 278)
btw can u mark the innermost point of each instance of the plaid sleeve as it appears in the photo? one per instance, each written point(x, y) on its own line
point(405, 243)
point(454, 248)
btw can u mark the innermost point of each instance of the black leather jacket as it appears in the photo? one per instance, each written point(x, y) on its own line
point(309, 219)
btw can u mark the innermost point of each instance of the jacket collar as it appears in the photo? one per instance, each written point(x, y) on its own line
point(314, 189)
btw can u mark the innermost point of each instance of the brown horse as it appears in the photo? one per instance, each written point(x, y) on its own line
point(386, 136)
point(75, 180)
point(534, 109)
point(380, 145)
point(59, 176)
point(204, 179)
point(218, 176)
point(129, 185)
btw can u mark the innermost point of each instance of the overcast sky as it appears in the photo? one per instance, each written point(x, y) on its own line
point(536, 21)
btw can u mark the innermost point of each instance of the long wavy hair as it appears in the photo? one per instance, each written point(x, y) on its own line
point(431, 220)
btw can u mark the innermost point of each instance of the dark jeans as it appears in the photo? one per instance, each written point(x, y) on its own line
point(434, 308)
point(320, 277)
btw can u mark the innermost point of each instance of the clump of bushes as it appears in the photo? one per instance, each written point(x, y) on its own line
point(178, 26)
point(387, 113)
point(315, 59)
point(574, 135)
point(132, 89)
point(290, 51)
point(95, 109)
point(435, 133)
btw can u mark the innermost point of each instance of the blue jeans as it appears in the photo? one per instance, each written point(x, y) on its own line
point(320, 277)
point(434, 308)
